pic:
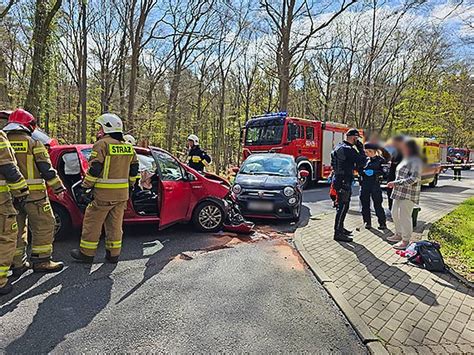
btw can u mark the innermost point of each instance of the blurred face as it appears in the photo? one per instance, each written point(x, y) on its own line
point(100, 133)
point(397, 144)
point(352, 139)
point(404, 149)
point(190, 143)
point(370, 153)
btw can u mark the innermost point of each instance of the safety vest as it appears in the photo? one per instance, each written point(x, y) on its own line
point(28, 152)
point(7, 156)
point(114, 180)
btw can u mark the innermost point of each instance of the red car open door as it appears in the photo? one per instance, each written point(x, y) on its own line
point(175, 189)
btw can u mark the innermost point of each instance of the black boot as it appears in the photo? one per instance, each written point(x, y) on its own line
point(6, 289)
point(346, 231)
point(111, 259)
point(79, 256)
point(382, 226)
point(341, 237)
point(18, 271)
point(368, 226)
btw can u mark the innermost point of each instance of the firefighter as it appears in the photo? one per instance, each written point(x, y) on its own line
point(35, 165)
point(113, 170)
point(347, 156)
point(370, 186)
point(198, 158)
point(13, 191)
point(457, 167)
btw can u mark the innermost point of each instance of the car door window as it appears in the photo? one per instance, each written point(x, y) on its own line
point(310, 133)
point(146, 163)
point(169, 167)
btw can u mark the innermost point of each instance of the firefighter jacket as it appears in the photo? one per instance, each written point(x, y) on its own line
point(12, 182)
point(113, 169)
point(457, 163)
point(35, 165)
point(198, 158)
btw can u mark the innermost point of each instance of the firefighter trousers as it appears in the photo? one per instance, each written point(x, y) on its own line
point(38, 217)
point(108, 214)
point(8, 235)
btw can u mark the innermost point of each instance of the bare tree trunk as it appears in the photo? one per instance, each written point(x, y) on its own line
point(83, 89)
point(41, 32)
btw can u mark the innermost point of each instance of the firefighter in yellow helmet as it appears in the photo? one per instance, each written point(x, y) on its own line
point(113, 170)
point(12, 185)
point(35, 165)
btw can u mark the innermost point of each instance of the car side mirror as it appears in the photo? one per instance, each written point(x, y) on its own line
point(191, 177)
point(235, 169)
point(304, 173)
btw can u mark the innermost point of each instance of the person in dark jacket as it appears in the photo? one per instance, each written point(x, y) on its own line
point(457, 167)
point(370, 186)
point(198, 158)
point(348, 156)
point(397, 157)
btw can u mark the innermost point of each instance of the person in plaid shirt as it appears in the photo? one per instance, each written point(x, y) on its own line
point(406, 193)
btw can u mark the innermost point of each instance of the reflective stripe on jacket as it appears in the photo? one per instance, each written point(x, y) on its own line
point(115, 157)
point(7, 159)
point(29, 153)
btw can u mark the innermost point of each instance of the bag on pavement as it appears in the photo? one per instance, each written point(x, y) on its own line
point(428, 255)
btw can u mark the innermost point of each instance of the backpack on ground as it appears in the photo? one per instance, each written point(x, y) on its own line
point(428, 256)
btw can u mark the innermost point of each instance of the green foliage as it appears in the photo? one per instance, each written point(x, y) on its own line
point(435, 106)
point(455, 233)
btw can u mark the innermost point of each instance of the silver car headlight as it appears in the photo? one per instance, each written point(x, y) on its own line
point(236, 189)
point(288, 191)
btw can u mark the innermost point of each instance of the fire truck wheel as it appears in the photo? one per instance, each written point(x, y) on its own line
point(434, 182)
point(63, 222)
point(305, 181)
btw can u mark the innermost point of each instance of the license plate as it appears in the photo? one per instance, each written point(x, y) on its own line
point(260, 206)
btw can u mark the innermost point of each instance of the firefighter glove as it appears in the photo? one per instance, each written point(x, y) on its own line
point(19, 202)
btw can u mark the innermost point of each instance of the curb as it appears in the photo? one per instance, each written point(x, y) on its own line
point(369, 339)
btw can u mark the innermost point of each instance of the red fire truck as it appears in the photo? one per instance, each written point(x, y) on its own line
point(310, 142)
point(465, 153)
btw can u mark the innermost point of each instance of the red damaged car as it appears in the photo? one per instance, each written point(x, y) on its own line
point(170, 193)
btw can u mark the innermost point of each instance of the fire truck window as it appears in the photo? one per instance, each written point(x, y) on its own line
point(310, 133)
point(293, 132)
point(301, 132)
point(262, 135)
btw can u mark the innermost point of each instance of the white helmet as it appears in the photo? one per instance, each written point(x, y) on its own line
point(110, 123)
point(194, 138)
point(128, 138)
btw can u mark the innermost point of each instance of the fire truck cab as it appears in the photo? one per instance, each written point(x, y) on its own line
point(309, 142)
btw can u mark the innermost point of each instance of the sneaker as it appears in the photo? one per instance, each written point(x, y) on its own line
point(382, 227)
point(394, 238)
point(48, 266)
point(368, 226)
point(401, 245)
point(346, 231)
point(340, 237)
point(79, 256)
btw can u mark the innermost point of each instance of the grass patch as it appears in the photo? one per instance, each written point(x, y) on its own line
point(455, 233)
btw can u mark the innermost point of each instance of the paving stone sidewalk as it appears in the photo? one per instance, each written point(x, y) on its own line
point(411, 310)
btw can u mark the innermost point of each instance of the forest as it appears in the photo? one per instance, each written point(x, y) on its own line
point(170, 68)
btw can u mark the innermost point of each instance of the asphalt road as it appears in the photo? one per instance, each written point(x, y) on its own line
point(177, 291)
point(180, 291)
